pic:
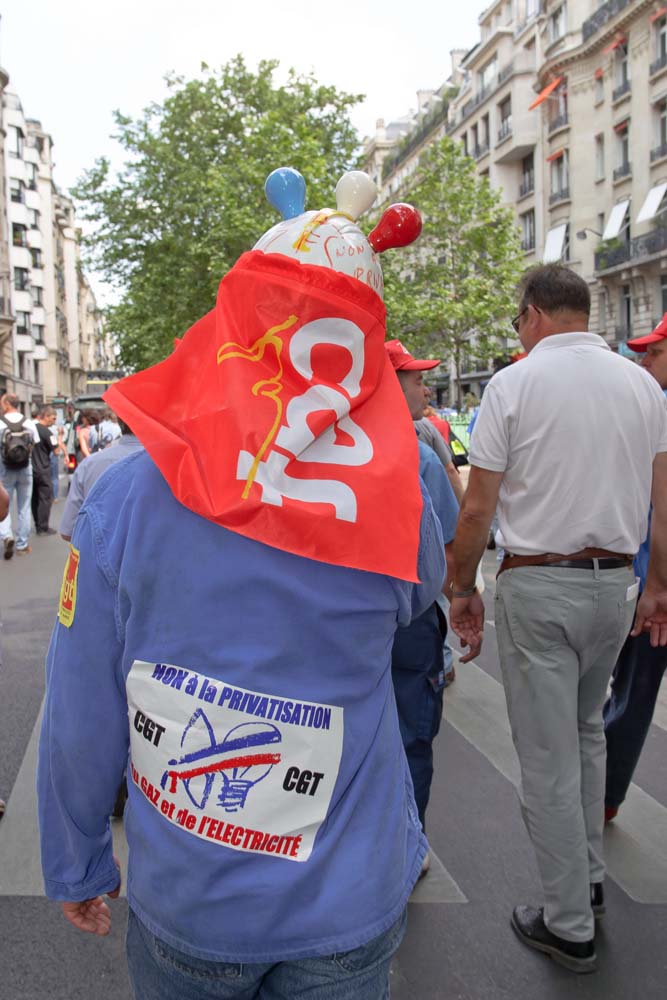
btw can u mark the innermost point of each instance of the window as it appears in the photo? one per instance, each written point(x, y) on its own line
point(599, 157)
point(599, 87)
point(15, 139)
point(17, 190)
point(23, 322)
point(34, 217)
point(558, 105)
point(661, 39)
point(528, 171)
point(621, 67)
point(37, 295)
point(19, 235)
point(464, 143)
point(31, 176)
point(622, 147)
point(626, 311)
point(661, 124)
point(505, 114)
point(485, 132)
point(560, 173)
point(36, 257)
point(557, 24)
point(528, 231)
point(663, 294)
point(488, 74)
point(566, 243)
point(532, 8)
point(21, 279)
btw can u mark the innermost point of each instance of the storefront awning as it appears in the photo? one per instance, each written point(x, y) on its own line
point(554, 243)
point(549, 89)
point(649, 209)
point(615, 220)
point(660, 12)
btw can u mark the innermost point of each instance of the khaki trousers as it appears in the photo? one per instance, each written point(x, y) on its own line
point(559, 634)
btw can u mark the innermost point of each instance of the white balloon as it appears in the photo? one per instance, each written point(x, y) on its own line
point(355, 193)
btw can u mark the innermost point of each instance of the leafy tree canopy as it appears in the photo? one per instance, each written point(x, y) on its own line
point(189, 198)
point(452, 293)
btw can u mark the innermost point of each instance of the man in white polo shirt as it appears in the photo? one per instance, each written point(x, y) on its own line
point(567, 443)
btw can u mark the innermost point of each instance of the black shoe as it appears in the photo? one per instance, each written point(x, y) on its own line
point(528, 924)
point(597, 900)
point(9, 548)
point(47, 531)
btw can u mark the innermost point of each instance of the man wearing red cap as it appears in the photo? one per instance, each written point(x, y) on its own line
point(640, 667)
point(417, 666)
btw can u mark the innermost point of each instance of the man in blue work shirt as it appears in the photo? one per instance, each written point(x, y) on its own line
point(212, 639)
point(417, 664)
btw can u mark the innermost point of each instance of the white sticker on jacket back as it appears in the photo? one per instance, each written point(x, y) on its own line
point(245, 769)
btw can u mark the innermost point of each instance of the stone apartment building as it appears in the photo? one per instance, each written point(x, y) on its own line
point(563, 106)
point(50, 327)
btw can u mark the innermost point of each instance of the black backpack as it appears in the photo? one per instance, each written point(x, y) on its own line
point(16, 446)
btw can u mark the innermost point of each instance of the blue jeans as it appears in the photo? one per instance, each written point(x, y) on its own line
point(628, 712)
point(20, 482)
point(418, 676)
point(55, 476)
point(160, 972)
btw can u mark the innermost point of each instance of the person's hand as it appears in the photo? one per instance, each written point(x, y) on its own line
point(466, 616)
point(93, 915)
point(651, 616)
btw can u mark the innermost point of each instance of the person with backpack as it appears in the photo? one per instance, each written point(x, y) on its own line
point(42, 487)
point(18, 436)
point(105, 433)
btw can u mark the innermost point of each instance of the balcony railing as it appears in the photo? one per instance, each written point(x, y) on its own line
point(559, 122)
point(561, 195)
point(622, 89)
point(641, 246)
point(659, 64)
point(659, 152)
point(505, 129)
point(527, 185)
point(624, 170)
point(601, 16)
point(480, 151)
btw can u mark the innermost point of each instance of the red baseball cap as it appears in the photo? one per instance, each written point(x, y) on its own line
point(403, 361)
point(640, 344)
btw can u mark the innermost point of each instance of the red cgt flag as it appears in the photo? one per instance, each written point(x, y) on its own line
point(279, 416)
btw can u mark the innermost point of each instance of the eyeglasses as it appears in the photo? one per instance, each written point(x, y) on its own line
point(515, 321)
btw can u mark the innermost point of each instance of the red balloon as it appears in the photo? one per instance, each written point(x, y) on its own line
point(399, 226)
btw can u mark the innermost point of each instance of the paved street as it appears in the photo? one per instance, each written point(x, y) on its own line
point(459, 944)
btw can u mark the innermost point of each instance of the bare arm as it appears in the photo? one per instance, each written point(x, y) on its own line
point(472, 531)
point(652, 608)
point(4, 502)
point(455, 480)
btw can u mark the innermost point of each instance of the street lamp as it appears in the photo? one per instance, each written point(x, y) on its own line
point(581, 235)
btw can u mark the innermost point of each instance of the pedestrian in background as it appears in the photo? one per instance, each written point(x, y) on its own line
point(18, 436)
point(572, 510)
point(87, 474)
point(42, 488)
point(417, 659)
point(640, 666)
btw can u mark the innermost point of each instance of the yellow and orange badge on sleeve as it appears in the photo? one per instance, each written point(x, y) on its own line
point(68, 589)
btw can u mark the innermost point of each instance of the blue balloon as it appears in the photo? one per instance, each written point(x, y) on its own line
point(285, 189)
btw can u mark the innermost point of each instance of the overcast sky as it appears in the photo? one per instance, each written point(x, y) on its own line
point(72, 62)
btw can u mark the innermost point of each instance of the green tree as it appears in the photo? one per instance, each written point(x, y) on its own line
point(189, 198)
point(452, 293)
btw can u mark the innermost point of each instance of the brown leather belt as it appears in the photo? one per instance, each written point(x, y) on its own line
point(584, 559)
